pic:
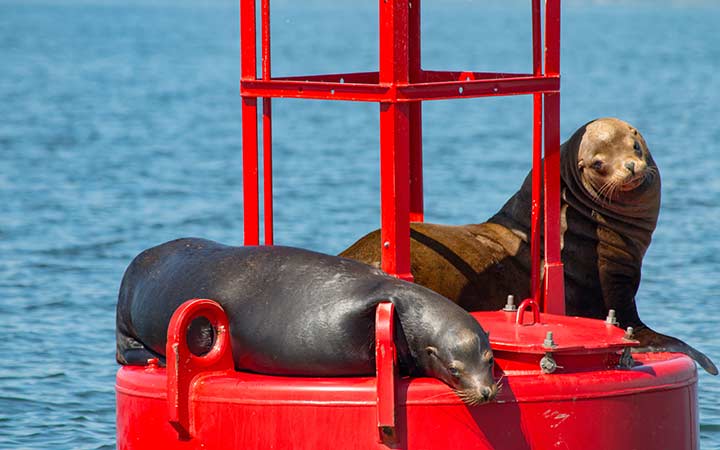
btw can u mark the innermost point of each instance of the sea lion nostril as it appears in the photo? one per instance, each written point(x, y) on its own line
point(486, 392)
point(630, 165)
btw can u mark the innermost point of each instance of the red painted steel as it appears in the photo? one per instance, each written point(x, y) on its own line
point(394, 141)
point(267, 172)
point(251, 207)
point(554, 297)
point(306, 87)
point(520, 315)
point(478, 88)
point(248, 72)
point(536, 202)
point(395, 189)
point(400, 79)
point(267, 126)
point(587, 403)
point(386, 372)
point(417, 213)
point(183, 366)
point(535, 206)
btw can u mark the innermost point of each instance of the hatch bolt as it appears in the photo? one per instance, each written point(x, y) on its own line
point(629, 334)
point(510, 305)
point(549, 342)
point(548, 364)
point(611, 320)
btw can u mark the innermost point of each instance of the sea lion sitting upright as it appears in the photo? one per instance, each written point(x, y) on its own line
point(297, 312)
point(609, 208)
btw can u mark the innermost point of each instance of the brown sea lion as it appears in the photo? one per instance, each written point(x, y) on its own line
point(610, 204)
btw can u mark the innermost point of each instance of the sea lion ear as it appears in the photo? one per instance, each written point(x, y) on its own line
point(581, 164)
point(431, 351)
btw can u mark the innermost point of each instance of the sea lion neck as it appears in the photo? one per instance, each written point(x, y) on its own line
point(635, 209)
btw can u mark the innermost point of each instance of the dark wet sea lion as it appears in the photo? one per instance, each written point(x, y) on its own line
point(610, 205)
point(297, 312)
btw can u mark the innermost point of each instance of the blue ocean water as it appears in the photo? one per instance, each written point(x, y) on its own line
point(120, 129)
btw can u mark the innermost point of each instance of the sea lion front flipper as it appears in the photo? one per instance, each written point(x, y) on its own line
point(651, 341)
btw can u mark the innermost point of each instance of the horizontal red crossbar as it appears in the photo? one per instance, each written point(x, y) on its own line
point(427, 76)
point(528, 84)
point(354, 77)
point(320, 90)
point(435, 85)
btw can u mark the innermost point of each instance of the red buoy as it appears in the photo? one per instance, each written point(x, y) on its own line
point(578, 388)
point(568, 382)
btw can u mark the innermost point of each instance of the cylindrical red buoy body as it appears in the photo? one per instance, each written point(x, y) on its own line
point(586, 402)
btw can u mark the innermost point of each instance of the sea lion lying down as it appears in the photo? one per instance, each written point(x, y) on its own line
point(297, 312)
point(610, 204)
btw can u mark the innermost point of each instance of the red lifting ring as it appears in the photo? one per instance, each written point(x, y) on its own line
point(527, 303)
point(183, 366)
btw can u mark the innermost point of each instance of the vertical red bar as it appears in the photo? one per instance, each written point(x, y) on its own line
point(267, 171)
point(417, 213)
point(394, 57)
point(248, 71)
point(537, 37)
point(385, 371)
point(395, 189)
point(535, 210)
point(554, 280)
point(267, 125)
point(394, 141)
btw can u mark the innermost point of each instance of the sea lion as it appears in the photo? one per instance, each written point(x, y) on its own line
point(296, 312)
point(610, 202)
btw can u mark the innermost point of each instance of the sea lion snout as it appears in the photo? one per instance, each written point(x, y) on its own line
point(630, 165)
point(488, 393)
point(481, 389)
point(464, 363)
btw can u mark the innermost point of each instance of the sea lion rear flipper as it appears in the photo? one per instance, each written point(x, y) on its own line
point(651, 341)
point(131, 352)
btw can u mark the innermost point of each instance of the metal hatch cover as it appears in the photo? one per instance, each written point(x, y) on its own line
point(576, 335)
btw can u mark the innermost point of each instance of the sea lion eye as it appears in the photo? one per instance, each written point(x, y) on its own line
point(638, 149)
point(454, 372)
point(596, 165)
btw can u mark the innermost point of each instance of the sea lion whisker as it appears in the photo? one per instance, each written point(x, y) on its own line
point(604, 193)
point(449, 394)
point(498, 383)
point(468, 397)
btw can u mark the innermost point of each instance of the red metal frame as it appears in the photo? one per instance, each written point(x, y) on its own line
point(400, 86)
